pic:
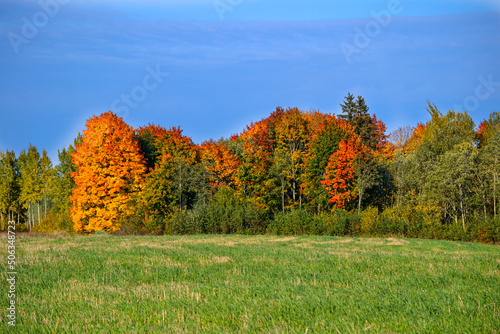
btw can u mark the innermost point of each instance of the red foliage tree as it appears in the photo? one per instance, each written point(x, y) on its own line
point(339, 179)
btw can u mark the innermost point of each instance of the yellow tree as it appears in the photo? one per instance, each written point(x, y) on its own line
point(110, 168)
point(292, 138)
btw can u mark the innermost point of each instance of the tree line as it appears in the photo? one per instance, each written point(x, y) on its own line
point(293, 172)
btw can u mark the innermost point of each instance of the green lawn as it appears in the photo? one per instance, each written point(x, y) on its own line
point(216, 284)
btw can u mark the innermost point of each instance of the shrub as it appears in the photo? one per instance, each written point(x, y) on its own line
point(227, 213)
point(176, 224)
point(54, 222)
point(485, 231)
point(369, 220)
point(295, 222)
point(338, 223)
point(329, 224)
point(131, 225)
point(392, 223)
point(346, 223)
point(194, 222)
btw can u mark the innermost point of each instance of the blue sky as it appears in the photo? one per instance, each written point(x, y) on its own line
point(214, 66)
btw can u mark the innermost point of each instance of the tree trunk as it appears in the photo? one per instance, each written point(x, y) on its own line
point(180, 198)
point(462, 207)
point(180, 186)
point(204, 185)
point(29, 216)
point(495, 190)
point(359, 202)
point(484, 206)
point(38, 205)
point(283, 195)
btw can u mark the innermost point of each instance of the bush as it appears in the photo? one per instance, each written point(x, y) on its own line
point(338, 223)
point(295, 222)
point(189, 222)
point(486, 231)
point(227, 213)
point(330, 224)
point(391, 223)
point(369, 220)
point(55, 222)
point(195, 220)
point(350, 221)
point(131, 225)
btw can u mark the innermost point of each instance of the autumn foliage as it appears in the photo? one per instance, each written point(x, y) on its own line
point(339, 179)
point(110, 168)
point(159, 181)
point(220, 164)
point(170, 157)
point(295, 171)
point(416, 138)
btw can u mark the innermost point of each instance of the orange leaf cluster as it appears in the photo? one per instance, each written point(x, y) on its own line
point(109, 168)
point(220, 164)
point(339, 176)
point(416, 138)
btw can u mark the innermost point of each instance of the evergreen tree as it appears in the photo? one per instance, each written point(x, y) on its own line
point(356, 113)
point(349, 109)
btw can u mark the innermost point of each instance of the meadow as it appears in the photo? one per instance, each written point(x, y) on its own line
point(225, 284)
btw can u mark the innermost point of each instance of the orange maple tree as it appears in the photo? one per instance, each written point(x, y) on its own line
point(220, 164)
point(110, 168)
point(339, 179)
point(416, 138)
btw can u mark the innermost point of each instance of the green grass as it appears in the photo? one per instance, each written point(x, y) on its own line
point(217, 284)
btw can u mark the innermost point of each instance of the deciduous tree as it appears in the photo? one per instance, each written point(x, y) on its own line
point(9, 186)
point(110, 168)
point(340, 174)
point(324, 142)
point(31, 183)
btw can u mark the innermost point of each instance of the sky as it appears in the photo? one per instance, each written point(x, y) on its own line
point(213, 66)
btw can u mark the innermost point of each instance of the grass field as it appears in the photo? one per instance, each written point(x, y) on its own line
point(217, 284)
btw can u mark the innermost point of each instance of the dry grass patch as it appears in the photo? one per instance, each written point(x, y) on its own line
point(307, 245)
point(283, 239)
point(340, 241)
point(341, 253)
point(213, 241)
point(157, 245)
point(48, 246)
point(264, 259)
point(492, 272)
point(397, 242)
point(215, 260)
